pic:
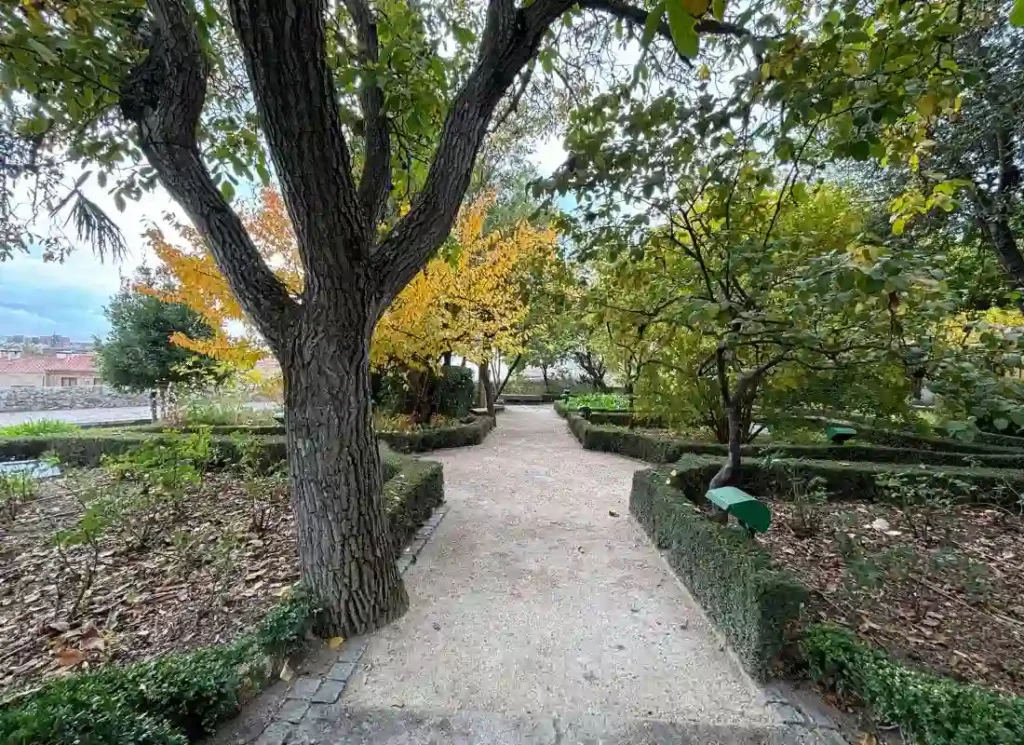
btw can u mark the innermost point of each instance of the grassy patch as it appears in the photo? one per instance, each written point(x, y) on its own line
point(38, 427)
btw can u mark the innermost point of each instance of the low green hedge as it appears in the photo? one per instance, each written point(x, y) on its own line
point(422, 440)
point(666, 449)
point(751, 602)
point(928, 708)
point(259, 430)
point(171, 700)
point(180, 698)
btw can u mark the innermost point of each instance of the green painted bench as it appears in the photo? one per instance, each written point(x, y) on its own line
point(838, 435)
point(751, 513)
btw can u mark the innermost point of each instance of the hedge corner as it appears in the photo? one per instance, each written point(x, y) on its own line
point(753, 603)
point(462, 434)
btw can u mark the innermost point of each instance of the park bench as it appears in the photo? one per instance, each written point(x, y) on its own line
point(751, 513)
point(837, 434)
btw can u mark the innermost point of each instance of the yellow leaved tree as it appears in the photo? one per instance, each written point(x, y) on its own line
point(471, 300)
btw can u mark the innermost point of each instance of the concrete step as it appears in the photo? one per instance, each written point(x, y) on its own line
point(410, 726)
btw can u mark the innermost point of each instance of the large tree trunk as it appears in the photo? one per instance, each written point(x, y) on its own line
point(345, 547)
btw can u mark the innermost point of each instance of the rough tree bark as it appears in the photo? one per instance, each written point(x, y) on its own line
point(322, 338)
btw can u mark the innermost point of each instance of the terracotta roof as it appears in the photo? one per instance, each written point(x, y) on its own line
point(72, 363)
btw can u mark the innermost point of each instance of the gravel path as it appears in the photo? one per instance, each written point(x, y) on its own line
point(540, 613)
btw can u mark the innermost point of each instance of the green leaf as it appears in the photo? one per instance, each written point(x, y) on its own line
point(227, 190)
point(860, 150)
point(684, 30)
point(1001, 423)
point(652, 23)
point(718, 9)
point(119, 202)
point(1017, 13)
point(463, 35)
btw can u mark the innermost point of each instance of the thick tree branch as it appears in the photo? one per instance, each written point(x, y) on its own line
point(638, 17)
point(511, 38)
point(164, 97)
point(376, 177)
point(283, 45)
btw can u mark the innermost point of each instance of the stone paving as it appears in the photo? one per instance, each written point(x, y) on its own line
point(539, 614)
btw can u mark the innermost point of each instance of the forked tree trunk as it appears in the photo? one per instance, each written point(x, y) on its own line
point(345, 547)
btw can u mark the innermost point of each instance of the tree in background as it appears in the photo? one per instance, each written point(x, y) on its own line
point(138, 354)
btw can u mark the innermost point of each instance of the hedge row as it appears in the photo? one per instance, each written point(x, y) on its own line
point(665, 449)
point(752, 603)
point(458, 435)
point(180, 698)
point(928, 708)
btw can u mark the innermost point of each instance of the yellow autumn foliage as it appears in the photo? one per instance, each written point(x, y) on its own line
point(469, 300)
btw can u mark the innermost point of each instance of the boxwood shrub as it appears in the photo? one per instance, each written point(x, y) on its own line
point(181, 697)
point(750, 601)
point(472, 432)
point(667, 449)
point(928, 708)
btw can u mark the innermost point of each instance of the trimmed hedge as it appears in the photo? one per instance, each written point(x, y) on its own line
point(751, 602)
point(422, 440)
point(928, 708)
point(180, 698)
point(667, 449)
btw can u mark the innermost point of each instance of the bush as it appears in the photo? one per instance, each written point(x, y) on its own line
point(929, 709)
point(171, 700)
point(598, 401)
point(656, 448)
point(38, 427)
point(411, 496)
point(750, 601)
point(422, 440)
point(455, 391)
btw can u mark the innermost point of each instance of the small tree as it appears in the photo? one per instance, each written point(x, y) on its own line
point(138, 354)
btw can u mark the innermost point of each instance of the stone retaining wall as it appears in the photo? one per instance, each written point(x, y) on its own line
point(84, 397)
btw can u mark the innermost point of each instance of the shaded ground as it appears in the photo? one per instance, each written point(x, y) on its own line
point(936, 586)
point(208, 569)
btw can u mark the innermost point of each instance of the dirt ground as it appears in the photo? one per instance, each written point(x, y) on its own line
point(938, 588)
point(208, 569)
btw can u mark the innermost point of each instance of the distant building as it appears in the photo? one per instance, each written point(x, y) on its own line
point(69, 371)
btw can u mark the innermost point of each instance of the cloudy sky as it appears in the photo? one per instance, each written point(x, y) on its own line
point(38, 298)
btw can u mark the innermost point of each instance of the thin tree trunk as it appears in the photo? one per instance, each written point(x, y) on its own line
point(345, 547)
point(152, 404)
point(544, 374)
point(488, 386)
point(730, 470)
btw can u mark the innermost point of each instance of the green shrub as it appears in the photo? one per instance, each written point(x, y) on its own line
point(658, 448)
point(38, 427)
point(172, 700)
point(455, 391)
point(750, 601)
point(411, 496)
point(929, 709)
point(598, 401)
point(422, 440)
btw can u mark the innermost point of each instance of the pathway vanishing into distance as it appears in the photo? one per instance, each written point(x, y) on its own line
point(540, 614)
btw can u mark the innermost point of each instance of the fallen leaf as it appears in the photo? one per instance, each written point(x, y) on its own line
point(286, 672)
point(612, 513)
point(335, 642)
point(881, 524)
point(69, 657)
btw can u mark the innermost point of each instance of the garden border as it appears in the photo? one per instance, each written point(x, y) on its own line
point(180, 697)
point(655, 449)
point(759, 611)
point(424, 440)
